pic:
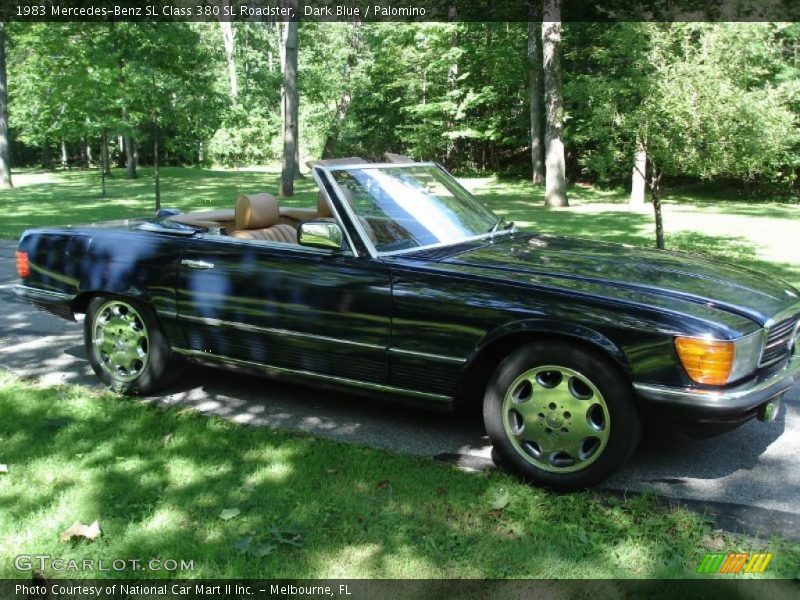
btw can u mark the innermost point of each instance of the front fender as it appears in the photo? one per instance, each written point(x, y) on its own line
point(578, 332)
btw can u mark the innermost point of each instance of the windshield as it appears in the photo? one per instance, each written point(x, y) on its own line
point(410, 206)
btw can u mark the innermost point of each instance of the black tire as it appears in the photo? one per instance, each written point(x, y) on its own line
point(157, 367)
point(517, 421)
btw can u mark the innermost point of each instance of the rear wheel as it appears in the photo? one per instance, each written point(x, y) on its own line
point(126, 346)
point(561, 415)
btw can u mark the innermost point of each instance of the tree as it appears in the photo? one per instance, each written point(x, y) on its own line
point(5, 146)
point(555, 176)
point(638, 175)
point(346, 97)
point(228, 40)
point(535, 99)
point(291, 106)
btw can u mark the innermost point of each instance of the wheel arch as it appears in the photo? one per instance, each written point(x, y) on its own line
point(80, 303)
point(499, 343)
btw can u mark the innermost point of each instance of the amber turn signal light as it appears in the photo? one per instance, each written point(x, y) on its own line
point(706, 361)
point(23, 265)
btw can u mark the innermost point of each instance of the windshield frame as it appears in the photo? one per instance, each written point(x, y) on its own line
point(351, 215)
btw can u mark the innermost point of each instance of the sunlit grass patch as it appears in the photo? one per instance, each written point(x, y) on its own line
point(240, 501)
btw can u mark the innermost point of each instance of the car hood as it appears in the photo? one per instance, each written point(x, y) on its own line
point(687, 277)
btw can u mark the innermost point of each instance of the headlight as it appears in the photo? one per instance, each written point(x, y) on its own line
point(717, 362)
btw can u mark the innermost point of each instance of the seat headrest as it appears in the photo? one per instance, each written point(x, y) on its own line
point(256, 211)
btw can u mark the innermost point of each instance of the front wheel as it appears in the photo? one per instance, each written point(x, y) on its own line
point(560, 415)
point(126, 346)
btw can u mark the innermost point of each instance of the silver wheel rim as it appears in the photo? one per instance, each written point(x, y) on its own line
point(556, 419)
point(120, 341)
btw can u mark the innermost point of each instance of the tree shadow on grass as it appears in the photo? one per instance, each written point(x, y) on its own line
point(159, 480)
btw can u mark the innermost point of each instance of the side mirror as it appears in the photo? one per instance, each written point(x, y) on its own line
point(320, 234)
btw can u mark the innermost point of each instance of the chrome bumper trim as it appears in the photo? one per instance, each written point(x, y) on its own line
point(30, 293)
point(742, 397)
point(738, 398)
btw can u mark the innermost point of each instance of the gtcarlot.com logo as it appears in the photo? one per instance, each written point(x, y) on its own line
point(733, 563)
point(44, 562)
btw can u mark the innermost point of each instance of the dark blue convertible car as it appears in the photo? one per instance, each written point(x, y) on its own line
point(400, 283)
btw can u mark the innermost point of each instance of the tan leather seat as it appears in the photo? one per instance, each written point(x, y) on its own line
point(258, 218)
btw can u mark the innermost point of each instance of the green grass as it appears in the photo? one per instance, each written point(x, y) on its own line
point(158, 480)
point(761, 235)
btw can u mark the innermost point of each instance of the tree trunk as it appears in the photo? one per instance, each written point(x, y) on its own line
point(87, 151)
point(120, 151)
point(104, 161)
point(155, 168)
point(535, 97)
point(228, 40)
point(555, 178)
point(5, 144)
point(655, 180)
point(64, 157)
point(291, 105)
point(130, 158)
point(638, 181)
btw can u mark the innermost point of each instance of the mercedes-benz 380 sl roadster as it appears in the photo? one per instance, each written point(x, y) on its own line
point(402, 284)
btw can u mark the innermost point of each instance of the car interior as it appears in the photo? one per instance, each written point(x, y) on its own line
point(260, 217)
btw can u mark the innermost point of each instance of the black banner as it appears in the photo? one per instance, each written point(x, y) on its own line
point(360, 589)
point(399, 10)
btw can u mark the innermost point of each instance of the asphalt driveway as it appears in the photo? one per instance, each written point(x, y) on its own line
point(749, 475)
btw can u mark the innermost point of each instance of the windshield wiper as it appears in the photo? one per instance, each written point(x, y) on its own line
point(507, 226)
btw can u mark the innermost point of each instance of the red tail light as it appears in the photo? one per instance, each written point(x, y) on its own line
point(23, 265)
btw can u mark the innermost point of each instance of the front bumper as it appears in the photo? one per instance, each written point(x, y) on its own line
point(719, 410)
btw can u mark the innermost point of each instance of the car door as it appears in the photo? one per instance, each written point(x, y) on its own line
point(286, 306)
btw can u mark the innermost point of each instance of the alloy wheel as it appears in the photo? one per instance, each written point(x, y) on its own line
point(556, 419)
point(120, 340)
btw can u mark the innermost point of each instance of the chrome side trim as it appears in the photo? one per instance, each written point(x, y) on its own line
point(741, 397)
point(25, 291)
point(277, 371)
point(437, 357)
point(272, 330)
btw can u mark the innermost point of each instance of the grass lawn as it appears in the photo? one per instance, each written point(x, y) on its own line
point(159, 480)
point(761, 235)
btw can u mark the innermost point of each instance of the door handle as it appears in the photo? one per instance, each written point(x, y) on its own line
point(197, 264)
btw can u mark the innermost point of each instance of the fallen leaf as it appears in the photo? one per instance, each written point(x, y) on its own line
point(243, 545)
point(262, 550)
point(442, 490)
point(79, 530)
point(248, 486)
point(229, 513)
point(500, 500)
point(383, 484)
point(331, 471)
point(495, 513)
point(3, 468)
point(165, 441)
